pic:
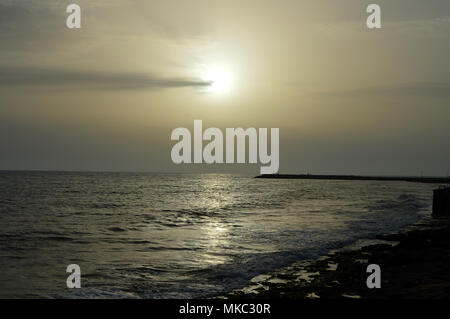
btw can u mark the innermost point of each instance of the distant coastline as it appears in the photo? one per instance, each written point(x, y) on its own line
point(437, 180)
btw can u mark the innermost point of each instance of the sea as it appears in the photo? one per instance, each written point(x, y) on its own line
point(154, 235)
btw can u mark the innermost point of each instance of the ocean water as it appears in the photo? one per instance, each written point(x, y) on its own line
point(180, 235)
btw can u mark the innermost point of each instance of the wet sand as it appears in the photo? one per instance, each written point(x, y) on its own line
point(415, 264)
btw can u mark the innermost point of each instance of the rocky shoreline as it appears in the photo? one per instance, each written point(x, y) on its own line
point(415, 264)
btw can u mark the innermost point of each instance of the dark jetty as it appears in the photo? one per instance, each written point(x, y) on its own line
point(441, 202)
point(437, 180)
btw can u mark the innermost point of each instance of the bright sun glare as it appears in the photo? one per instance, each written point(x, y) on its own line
point(220, 80)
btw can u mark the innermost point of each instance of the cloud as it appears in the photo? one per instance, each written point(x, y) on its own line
point(430, 90)
point(24, 28)
point(428, 28)
point(11, 77)
point(173, 19)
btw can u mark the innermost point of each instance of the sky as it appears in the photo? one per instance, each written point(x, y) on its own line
point(106, 97)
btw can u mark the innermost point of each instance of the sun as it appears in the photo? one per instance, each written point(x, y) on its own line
point(220, 80)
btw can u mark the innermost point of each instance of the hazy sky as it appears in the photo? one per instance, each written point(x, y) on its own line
point(107, 96)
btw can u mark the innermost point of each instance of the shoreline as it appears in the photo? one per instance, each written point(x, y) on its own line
point(429, 180)
point(414, 261)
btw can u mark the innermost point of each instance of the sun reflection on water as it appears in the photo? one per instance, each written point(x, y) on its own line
point(216, 239)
